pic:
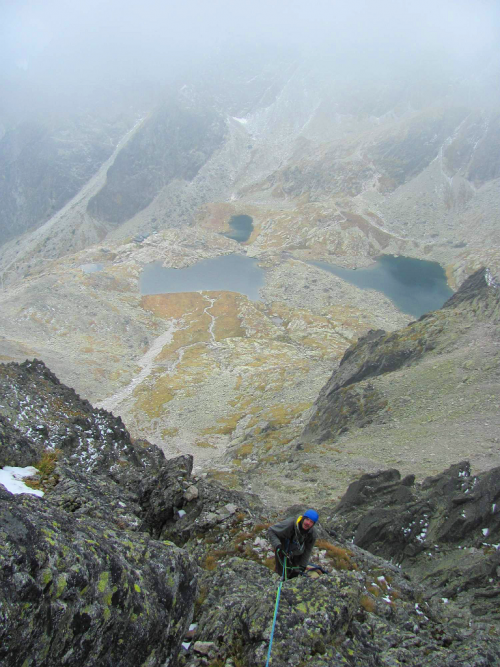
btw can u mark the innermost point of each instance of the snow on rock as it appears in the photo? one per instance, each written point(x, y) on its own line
point(11, 477)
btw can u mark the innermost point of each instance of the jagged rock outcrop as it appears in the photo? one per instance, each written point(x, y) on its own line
point(445, 530)
point(351, 399)
point(84, 580)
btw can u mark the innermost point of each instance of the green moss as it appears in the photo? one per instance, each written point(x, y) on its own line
point(137, 588)
point(48, 536)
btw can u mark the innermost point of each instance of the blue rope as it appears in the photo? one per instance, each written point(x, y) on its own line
point(283, 578)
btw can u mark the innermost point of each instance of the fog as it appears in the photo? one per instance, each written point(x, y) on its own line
point(53, 44)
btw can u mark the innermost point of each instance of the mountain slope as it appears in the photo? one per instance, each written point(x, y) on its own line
point(419, 398)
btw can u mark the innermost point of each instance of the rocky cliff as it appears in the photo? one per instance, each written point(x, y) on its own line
point(443, 531)
point(125, 549)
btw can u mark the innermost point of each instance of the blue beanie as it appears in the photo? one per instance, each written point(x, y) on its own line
point(311, 514)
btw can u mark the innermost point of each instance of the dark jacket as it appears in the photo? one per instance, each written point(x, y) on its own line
point(287, 535)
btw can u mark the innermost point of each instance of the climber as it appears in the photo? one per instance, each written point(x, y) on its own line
point(294, 539)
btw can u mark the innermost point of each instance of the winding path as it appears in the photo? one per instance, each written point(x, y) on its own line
point(147, 363)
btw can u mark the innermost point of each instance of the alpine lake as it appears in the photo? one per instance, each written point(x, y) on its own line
point(415, 286)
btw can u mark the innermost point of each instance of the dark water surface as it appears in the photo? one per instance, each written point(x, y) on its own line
point(232, 273)
point(415, 286)
point(242, 228)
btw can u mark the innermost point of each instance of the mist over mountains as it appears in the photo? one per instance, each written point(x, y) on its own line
point(388, 112)
point(169, 426)
point(133, 135)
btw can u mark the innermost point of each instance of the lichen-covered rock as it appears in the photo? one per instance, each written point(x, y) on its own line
point(96, 497)
point(87, 580)
point(237, 613)
point(81, 592)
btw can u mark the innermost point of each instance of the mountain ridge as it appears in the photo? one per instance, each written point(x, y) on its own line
point(97, 553)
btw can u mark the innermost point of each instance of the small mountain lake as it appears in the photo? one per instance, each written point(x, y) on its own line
point(415, 286)
point(231, 273)
point(241, 228)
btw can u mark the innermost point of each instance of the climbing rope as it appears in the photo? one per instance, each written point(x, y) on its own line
point(278, 593)
point(283, 578)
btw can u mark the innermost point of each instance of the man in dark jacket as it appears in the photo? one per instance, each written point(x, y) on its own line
point(294, 539)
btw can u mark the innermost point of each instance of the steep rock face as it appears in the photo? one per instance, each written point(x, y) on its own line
point(84, 581)
point(174, 144)
point(15, 449)
point(44, 164)
point(349, 399)
point(80, 592)
point(97, 462)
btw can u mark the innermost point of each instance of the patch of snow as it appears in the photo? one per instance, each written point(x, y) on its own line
point(243, 121)
point(444, 600)
point(181, 513)
point(486, 532)
point(490, 280)
point(186, 645)
point(11, 477)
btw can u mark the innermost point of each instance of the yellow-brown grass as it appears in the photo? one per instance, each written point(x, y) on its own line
point(368, 603)
point(45, 466)
point(339, 557)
